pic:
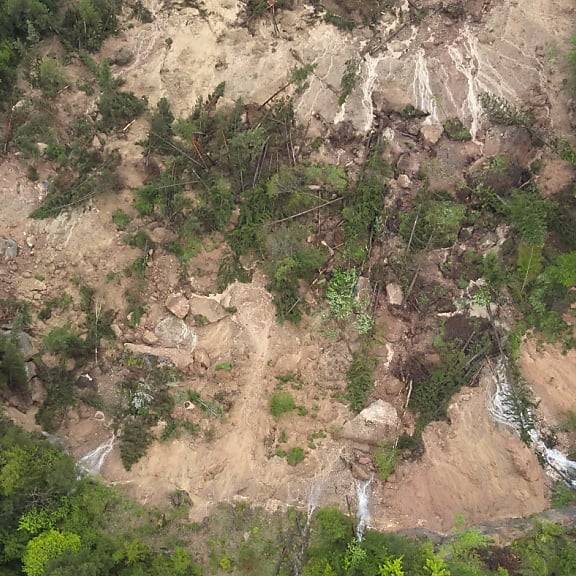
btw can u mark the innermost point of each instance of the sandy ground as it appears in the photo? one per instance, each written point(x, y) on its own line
point(471, 466)
point(552, 376)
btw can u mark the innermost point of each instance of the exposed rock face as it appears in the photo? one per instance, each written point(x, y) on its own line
point(178, 305)
point(375, 425)
point(173, 332)
point(404, 181)
point(8, 248)
point(431, 133)
point(395, 294)
point(211, 310)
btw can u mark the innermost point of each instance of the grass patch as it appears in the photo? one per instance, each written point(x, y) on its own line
point(281, 403)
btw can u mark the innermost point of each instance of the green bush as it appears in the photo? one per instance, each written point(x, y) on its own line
point(385, 459)
point(13, 377)
point(455, 130)
point(340, 293)
point(294, 456)
point(435, 222)
point(360, 379)
point(120, 219)
point(49, 76)
point(64, 341)
point(87, 23)
point(59, 397)
point(135, 439)
point(348, 81)
point(281, 403)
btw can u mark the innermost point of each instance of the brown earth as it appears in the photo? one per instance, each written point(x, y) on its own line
point(471, 466)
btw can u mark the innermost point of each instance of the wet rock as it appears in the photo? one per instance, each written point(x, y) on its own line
point(360, 473)
point(8, 248)
point(404, 181)
point(395, 294)
point(374, 425)
point(431, 133)
point(123, 56)
point(178, 305)
point(211, 310)
point(173, 332)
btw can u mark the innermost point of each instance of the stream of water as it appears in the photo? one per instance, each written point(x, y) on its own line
point(557, 464)
point(92, 462)
point(363, 507)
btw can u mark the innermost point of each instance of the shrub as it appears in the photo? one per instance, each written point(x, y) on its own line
point(294, 456)
point(385, 459)
point(434, 222)
point(455, 130)
point(87, 23)
point(135, 438)
point(281, 403)
point(59, 397)
point(340, 292)
point(65, 342)
point(348, 81)
point(360, 379)
point(46, 547)
point(12, 371)
point(119, 108)
point(231, 270)
point(120, 219)
point(49, 76)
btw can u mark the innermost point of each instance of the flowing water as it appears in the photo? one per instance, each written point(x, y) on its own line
point(92, 462)
point(363, 507)
point(557, 465)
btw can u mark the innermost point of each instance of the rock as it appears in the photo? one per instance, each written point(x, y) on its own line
point(30, 241)
point(202, 358)
point(8, 248)
point(395, 294)
point(393, 386)
point(404, 181)
point(161, 235)
point(431, 133)
point(31, 370)
point(408, 164)
point(178, 305)
point(207, 307)
point(25, 345)
point(116, 329)
point(180, 498)
point(37, 391)
point(360, 473)
point(41, 147)
point(173, 332)
point(364, 460)
point(96, 142)
point(287, 363)
point(363, 289)
point(123, 56)
point(99, 415)
point(149, 338)
point(375, 425)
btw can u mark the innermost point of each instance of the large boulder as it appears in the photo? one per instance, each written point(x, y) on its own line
point(206, 310)
point(375, 425)
point(173, 332)
point(178, 305)
point(8, 248)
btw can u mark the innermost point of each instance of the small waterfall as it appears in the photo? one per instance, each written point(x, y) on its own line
point(363, 504)
point(92, 462)
point(502, 410)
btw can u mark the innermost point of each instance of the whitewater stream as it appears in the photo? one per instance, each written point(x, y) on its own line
point(92, 462)
point(501, 407)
